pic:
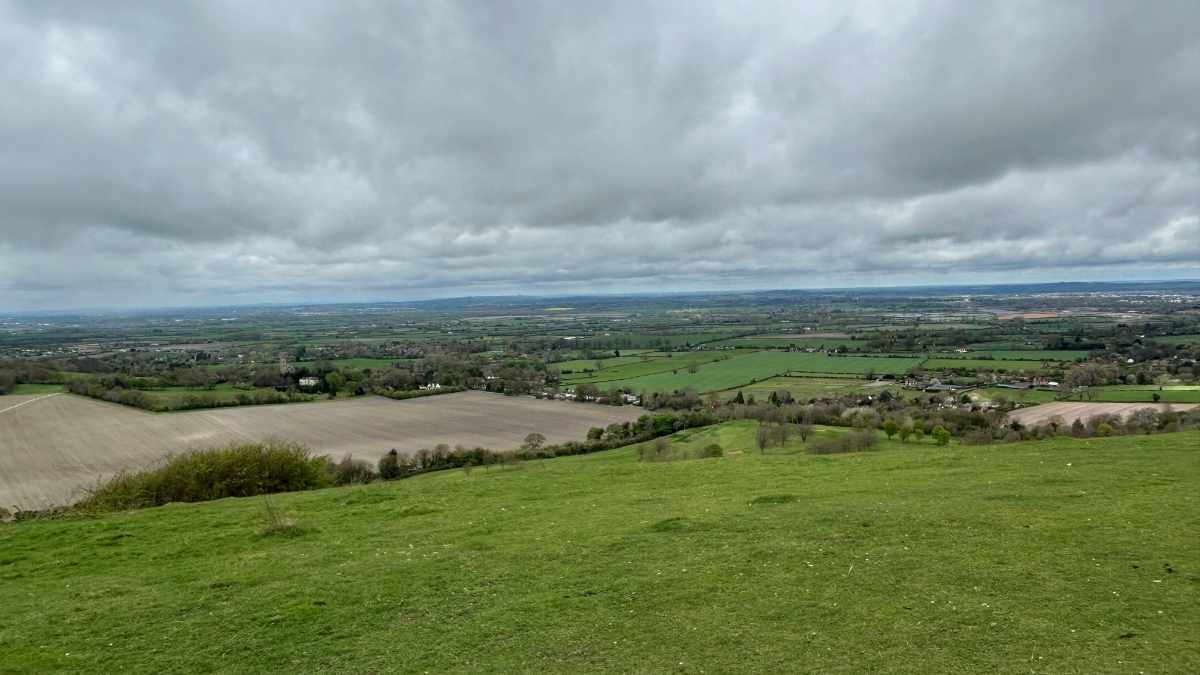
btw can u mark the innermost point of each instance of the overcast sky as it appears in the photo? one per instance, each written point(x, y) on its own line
point(179, 153)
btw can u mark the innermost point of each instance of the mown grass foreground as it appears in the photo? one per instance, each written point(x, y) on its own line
point(1072, 556)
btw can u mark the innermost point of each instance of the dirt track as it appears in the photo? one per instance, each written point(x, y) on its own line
point(1072, 411)
point(51, 447)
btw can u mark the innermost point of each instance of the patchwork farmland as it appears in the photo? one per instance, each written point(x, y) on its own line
point(51, 447)
point(717, 373)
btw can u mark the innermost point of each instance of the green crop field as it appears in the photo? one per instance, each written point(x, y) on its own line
point(744, 368)
point(1018, 395)
point(782, 343)
point(362, 363)
point(1128, 393)
point(1002, 345)
point(638, 367)
point(1065, 556)
point(805, 388)
point(1178, 339)
point(623, 340)
point(577, 365)
point(1121, 393)
point(984, 364)
point(1025, 354)
point(33, 389)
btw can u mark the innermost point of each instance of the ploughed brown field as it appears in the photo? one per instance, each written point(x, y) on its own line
point(1071, 411)
point(51, 447)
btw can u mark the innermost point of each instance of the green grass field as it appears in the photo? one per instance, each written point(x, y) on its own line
point(1123, 393)
point(984, 364)
point(34, 389)
point(639, 368)
point(652, 340)
point(805, 388)
point(362, 363)
point(999, 345)
point(1018, 395)
point(1179, 339)
point(781, 343)
point(1021, 354)
point(1071, 556)
point(1128, 393)
point(742, 369)
point(577, 365)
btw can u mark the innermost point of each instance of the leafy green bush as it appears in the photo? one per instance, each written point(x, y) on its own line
point(940, 435)
point(240, 470)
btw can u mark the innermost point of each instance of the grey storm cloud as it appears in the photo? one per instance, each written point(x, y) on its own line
point(182, 153)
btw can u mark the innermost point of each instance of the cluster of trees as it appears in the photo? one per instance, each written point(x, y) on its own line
point(117, 389)
point(441, 457)
point(590, 393)
point(660, 450)
point(14, 372)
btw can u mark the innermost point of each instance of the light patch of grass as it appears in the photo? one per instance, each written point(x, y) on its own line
point(35, 389)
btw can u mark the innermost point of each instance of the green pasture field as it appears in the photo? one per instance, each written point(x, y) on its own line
point(577, 365)
point(744, 368)
point(649, 340)
point(1018, 395)
point(1121, 393)
point(1003, 345)
point(363, 363)
point(1018, 354)
point(1178, 339)
point(983, 364)
point(1128, 393)
point(805, 388)
point(1064, 556)
point(784, 343)
point(678, 361)
point(35, 389)
point(1038, 354)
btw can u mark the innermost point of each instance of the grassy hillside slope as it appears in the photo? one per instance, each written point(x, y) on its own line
point(1073, 556)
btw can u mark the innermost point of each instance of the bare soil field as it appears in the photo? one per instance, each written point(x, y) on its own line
point(51, 447)
point(1071, 411)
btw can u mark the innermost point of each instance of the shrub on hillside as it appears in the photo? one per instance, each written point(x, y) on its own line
point(855, 441)
point(978, 437)
point(241, 470)
point(940, 435)
point(350, 471)
point(389, 465)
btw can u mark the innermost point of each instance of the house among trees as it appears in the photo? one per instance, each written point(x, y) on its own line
point(310, 382)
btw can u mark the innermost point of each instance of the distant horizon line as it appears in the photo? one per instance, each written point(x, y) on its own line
point(566, 296)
